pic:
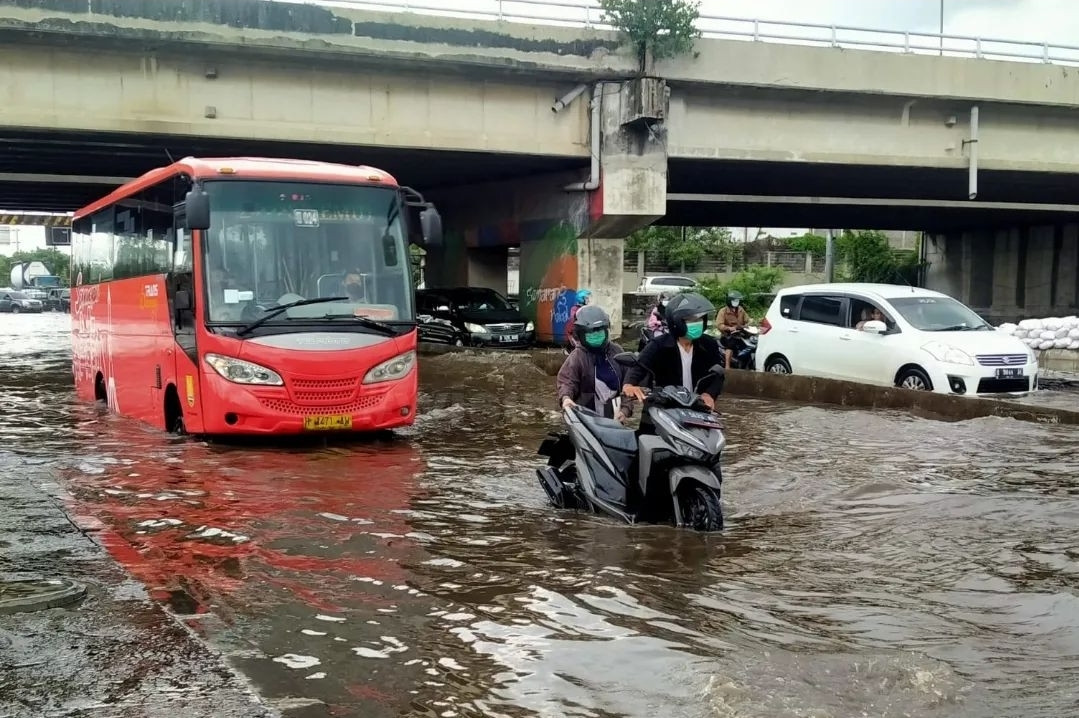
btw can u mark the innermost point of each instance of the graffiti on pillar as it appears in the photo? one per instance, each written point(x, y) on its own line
point(548, 280)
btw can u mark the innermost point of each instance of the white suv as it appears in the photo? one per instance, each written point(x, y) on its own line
point(927, 340)
point(666, 283)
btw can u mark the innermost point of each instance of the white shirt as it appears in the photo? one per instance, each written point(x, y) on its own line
point(687, 364)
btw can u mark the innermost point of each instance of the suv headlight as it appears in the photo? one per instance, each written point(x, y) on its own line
point(948, 354)
point(243, 372)
point(477, 328)
point(391, 369)
point(530, 327)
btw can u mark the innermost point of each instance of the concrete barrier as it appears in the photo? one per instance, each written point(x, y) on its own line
point(811, 390)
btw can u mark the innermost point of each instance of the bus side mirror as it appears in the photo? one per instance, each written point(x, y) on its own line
point(197, 209)
point(431, 224)
point(182, 300)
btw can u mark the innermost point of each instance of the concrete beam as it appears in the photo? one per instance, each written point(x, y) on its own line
point(80, 90)
point(870, 202)
point(33, 178)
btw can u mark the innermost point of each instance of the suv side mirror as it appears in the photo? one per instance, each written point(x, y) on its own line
point(181, 301)
point(875, 327)
point(197, 209)
point(431, 225)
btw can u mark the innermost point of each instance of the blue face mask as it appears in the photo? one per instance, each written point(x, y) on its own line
point(694, 330)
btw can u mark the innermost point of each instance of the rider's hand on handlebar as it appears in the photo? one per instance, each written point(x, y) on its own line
point(633, 391)
point(708, 401)
point(567, 402)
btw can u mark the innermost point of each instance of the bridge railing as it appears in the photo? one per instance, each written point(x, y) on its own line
point(587, 13)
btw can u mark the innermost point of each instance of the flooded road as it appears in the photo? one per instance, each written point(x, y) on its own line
point(875, 564)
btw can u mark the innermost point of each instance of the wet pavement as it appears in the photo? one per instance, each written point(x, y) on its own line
point(875, 563)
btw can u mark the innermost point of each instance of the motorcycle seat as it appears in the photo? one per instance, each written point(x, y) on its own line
point(609, 432)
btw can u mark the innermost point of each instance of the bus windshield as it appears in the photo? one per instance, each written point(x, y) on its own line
point(274, 243)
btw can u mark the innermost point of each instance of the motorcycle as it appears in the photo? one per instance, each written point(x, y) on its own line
point(670, 476)
point(744, 355)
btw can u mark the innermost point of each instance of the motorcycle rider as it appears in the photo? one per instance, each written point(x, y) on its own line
point(589, 376)
point(683, 356)
point(730, 319)
point(581, 300)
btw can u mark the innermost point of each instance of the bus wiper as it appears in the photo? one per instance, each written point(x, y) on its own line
point(271, 313)
point(366, 322)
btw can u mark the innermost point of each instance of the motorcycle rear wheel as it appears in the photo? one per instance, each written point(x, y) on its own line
point(701, 507)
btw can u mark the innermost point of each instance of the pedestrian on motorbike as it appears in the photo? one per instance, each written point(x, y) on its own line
point(731, 318)
point(589, 376)
point(583, 297)
point(684, 356)
point(655, 324)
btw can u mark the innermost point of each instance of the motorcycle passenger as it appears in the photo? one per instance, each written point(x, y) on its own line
point(731, 318)
point(655, 317)
point(582, 299)
point(683, 356)
point(589, 376)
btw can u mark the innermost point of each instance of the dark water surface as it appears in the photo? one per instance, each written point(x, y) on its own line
point(875, 564)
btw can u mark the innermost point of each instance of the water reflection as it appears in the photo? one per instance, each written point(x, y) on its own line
point(875, 563)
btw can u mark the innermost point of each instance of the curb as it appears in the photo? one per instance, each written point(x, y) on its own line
point(38, 594)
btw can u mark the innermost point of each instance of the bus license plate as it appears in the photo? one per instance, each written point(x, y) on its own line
point(327, 422)
point(507, 338)
point(1009, 373)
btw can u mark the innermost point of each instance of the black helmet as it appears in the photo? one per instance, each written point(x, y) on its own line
point(591, 318)
point(686, 306)
point(732, 297)
point(663, 298)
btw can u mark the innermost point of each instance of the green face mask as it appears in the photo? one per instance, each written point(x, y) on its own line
point(694, 330)
point(596, 339)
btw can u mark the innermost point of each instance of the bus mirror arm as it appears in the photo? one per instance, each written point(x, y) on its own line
point(197, 209)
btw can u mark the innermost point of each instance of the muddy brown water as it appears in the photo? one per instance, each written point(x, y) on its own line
point(874, 564)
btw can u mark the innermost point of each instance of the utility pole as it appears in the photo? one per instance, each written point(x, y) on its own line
point(942, 28)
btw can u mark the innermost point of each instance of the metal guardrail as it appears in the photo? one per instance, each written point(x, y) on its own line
point(586, 13)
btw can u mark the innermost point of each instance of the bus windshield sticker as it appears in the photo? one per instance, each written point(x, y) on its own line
point(305, 217)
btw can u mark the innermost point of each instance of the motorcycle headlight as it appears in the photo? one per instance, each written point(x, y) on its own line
point(948, 354)
point(476, 328)
point(243, 372)
point(391, 369)
point(530, 327)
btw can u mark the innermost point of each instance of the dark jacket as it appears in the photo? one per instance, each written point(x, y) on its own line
point(661, 355)
point(577, 378)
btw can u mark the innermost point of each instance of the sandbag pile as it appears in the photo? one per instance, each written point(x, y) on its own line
point(1049, 333)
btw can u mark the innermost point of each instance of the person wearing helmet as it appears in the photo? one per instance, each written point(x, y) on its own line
point(685, 355)
point(582, 299)
point(589, 376)
point(731, 318)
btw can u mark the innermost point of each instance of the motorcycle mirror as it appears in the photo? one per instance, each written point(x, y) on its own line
point(626, 359)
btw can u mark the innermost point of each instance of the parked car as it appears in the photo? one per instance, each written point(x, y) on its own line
point(58, 300)
point(666, 283)
point(16, 302)
point(472, 316)
point(920, 339)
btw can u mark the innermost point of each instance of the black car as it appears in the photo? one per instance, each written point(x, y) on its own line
point(472, 316)
point(58, 300)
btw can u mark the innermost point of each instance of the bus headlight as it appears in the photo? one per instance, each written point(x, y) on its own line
point(243, 372)
point(391, 369)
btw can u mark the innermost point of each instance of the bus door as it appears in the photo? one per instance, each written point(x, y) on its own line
point(183, 359)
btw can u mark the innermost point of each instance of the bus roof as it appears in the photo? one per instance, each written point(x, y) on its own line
point(255, 167)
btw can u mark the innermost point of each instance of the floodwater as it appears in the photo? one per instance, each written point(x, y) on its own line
point(875, 564)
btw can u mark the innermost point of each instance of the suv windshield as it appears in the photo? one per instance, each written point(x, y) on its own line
point(937, 314)
point(478, 300)
point(274, 243)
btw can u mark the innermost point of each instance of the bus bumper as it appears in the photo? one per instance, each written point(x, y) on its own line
point(228, 408)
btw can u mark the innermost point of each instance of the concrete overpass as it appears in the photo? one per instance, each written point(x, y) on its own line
point(94, 92)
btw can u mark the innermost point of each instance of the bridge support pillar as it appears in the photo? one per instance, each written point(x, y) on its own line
point(571, 232)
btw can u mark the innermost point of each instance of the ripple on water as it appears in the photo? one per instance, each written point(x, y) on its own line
point(875, 563)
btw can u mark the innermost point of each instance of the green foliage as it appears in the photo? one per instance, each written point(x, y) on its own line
point(868, 257)
point(808, 242)
point(667, 245)
point(666, 27)
point(755, 284)
point(57, 262)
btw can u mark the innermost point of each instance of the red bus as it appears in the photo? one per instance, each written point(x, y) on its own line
point(250, 296)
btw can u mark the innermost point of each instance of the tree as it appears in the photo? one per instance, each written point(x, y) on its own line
point(756, 285)
point(679, 247)
point(870, 258)
point(656, 28)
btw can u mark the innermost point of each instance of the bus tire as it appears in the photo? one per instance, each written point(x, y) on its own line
point(174, 413)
